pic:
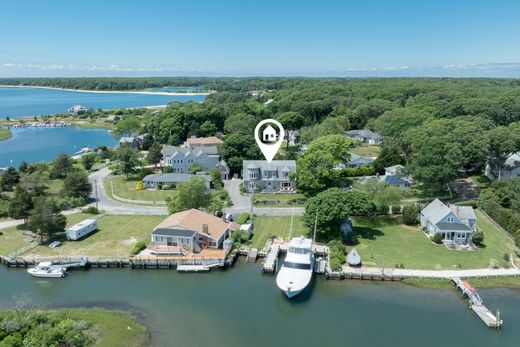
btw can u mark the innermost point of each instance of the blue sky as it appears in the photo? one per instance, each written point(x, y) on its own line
point(243, 38)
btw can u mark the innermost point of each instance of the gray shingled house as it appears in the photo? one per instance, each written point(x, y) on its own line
point(269, 177)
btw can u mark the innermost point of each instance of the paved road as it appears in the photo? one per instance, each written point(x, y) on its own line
point(242, 203)
point(448, 274)
point(115, 207)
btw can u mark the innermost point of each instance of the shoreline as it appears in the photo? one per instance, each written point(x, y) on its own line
point(143, 92)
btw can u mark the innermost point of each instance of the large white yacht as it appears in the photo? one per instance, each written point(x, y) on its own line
point(298, 267)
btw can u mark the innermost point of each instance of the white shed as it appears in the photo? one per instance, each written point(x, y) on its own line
point(247, 229)
point(81, 229)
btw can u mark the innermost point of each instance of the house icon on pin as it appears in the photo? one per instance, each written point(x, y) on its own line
point(269, 134)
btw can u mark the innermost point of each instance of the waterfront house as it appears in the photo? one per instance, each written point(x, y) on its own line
point(77, 109)
point(189, 231)
point(131, 141)
point(181, 159)
point(456, 224)
point(153, 181)
point(208, 145)
point(270, 177)
point(508, 170)
point(365, 135)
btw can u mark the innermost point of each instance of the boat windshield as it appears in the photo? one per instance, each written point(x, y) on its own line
point(297, 250)
point(298, 266)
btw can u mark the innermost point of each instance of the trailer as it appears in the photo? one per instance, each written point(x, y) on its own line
point(81, 229)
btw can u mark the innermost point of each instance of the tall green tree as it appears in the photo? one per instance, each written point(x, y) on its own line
point(239, 147)
point(77, 185)
point(291, 121)
point(88, 161)
point(21, 204)
point(9, 179)
point(45, 220)
point(61, 166)
point(128, 158)
point(128, 126)
point(154, 155)
point(192, 193)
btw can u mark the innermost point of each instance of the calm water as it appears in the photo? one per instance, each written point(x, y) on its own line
point(34, 144)
point(19, 102)
point(242, 307)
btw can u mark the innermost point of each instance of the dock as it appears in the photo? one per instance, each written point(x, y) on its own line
point(477, 304)
point(192, 268)
point(271, 259)
point(252, 254)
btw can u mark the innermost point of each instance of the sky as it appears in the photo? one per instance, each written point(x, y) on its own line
point(55, 38)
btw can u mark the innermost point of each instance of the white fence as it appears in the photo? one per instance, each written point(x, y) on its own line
point(138, 202)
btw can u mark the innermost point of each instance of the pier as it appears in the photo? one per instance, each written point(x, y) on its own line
point(271, 259)
point(477, 305)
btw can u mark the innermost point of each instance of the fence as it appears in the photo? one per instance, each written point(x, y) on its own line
point(139, 202)
point(507, 233)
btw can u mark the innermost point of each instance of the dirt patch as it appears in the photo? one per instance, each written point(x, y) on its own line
point(129, 242)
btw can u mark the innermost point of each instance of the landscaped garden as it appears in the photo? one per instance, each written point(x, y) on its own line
point(410, 247)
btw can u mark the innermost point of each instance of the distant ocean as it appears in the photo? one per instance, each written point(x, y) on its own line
point(20, 102)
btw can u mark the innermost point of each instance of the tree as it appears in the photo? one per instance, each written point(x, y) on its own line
point(196, 167)
point(88, 161)
point(20, 204)
point(333, 206)
point(390, 155)
point(316, 168)
point(77, 185)
point(9, 179)
point(208, 128)
point(239, 147)
point(219, 199)
point(216, 178)
point(148, 141)
point(240, 123)
point(36, 182)
point(291, 121)
point(61, 166)
point(410, 214)
point(45, 220)
point(128, 159)
point(127, 126)
point(192, 193)
point(478, 237)
point(154, 155)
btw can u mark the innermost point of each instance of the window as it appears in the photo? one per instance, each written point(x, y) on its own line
point(296, 265)
point(451, 219)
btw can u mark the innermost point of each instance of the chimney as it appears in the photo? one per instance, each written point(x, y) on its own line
point(205, 229)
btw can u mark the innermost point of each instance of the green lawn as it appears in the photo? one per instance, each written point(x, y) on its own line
point(11, 239)
point(116, 236)
point(367, 150)
point(481, 181)
point(5, 134)
point(125, 189)
point(402, 245)
point(267, 226)
point(279, 199)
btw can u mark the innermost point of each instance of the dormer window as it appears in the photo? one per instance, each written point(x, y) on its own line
point(451, 219)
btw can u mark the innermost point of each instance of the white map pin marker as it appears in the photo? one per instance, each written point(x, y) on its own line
point(268, 144)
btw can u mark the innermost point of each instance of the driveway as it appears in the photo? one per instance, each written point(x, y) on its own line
point(242, 203)
point(465, 189)
point(115, 207)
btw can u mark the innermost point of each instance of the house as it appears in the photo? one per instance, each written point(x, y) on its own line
point(189, 231)
point(365, 135)
point(154, 180)
point(269, 177)
point(456, 224)
point(225, 171)
point(269, 134)
point(356, 161)
point(208, 145)
point(395, 176)
point(135, 142)
point(509, 169)
point(76, 109)
point(394, 170)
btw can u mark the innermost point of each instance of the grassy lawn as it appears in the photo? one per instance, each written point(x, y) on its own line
point(11, 239)
point(267, 226)
point(5, 134)
point(279, 199)
point(480, 180)
point(367, 150)
point(116, 236)
point(125, 189)
point(410, 246)
point(507, 282)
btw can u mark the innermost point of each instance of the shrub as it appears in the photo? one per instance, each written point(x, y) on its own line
point(396, 209)
point(91, 210)
point(138, 247)
point(68, 202)
point(410, 214)
point(493, 263)
point(335, 264)
point(437, 238)
point(478, 237)
point(167, 169)
point(506, 257)
point(472, 203)
point(383, 209)
point(243, 218)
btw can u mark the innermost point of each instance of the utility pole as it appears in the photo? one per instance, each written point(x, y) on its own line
point(95, 185)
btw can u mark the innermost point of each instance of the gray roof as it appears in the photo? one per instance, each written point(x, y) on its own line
point(170, 151)
point(436, 211)
point(126, 139)
point(365, 133)
point(464, 212)
point(280, 166)
point(174, 231)
point(173, 177)
point(453, 227)
point(359, 160)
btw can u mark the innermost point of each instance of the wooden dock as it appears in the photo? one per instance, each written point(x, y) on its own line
point(192, 268)
point(252, 254)
point(477, 305)
point(271, 260)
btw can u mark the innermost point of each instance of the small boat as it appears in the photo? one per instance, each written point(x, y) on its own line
point(353, 258)
point(48, 270)
point(298, 266)
point(54, 244)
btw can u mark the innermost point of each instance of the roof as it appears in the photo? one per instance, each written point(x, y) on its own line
point(436, 211)
point(280, 166)
point(513, 160)
point(395, 180)
point(126, 139)
point(173, 177)
point(453, 226)
point(359, 160)
point(82, 224)
point(464, 212)
point(300, 242)
point(212, 140)
point(171, 151)
point(174, 231)
point(365, 133)
point(395, 167)
point(194, 219)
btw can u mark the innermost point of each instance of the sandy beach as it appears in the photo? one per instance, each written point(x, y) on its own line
point(109, 91)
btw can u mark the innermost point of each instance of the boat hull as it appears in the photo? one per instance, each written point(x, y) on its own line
point(52, 274)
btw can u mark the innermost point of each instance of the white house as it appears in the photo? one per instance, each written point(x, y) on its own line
point(509, 169)
point(269, 134)
point(76, 109)
point(455, 223)
point(365, 135)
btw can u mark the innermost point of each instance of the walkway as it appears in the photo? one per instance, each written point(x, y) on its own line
point(446, 274)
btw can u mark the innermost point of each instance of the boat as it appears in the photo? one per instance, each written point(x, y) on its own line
point(48, 270)
point(353, 258)
point(298, 267)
